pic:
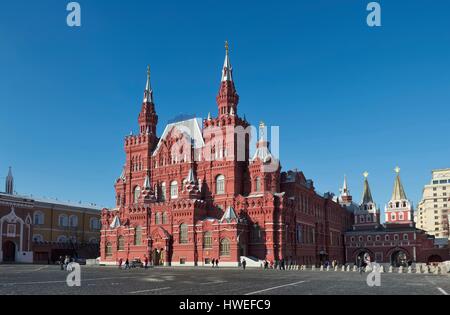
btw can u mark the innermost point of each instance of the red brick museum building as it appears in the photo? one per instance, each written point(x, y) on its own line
point(196, 193)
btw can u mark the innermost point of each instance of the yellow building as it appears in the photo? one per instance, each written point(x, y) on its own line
point(39, 230)
point(432, 214)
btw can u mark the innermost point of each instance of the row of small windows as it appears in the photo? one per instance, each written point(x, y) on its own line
point(224, 247)
point(165, 218)
point(401, 216)
point(442, 181)
point(220, 190)
point(37, 238)
point(65, 220)
point(368, 218)
point(397, 204)
point(378, 238)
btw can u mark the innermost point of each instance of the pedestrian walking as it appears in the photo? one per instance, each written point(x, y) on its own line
point(217, 263)
point(213, 262)
point(244, 264)
point(145, 262)
point(61, 262)
point(66, 262)
point(120, 263)
point(127, 264)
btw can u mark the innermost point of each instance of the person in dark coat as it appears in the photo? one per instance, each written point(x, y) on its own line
point(244, 264)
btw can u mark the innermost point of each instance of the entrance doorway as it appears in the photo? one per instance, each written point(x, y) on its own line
point(399, 259)
point(158, 257)
point(9, 251)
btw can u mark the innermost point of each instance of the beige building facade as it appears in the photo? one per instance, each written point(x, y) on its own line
point(34, 230)
point(433, 211)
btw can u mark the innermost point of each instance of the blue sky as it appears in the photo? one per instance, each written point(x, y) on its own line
point(348, 98)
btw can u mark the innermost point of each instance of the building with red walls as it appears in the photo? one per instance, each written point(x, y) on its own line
point(196, 193)
point(397, 242)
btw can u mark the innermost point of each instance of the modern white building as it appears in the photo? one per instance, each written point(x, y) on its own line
point(432, 214)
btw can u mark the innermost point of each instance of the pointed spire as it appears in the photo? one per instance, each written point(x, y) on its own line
point(209, 116)
point(115, 223)
point(262, 130)
point(147, 185)
point(227, 74)
point(148, 93)
point(9, 183)
point(229, 215)
point(122, 175)
point(344, 189)
point(367, 194)
point(399, 192)
point(191, 176)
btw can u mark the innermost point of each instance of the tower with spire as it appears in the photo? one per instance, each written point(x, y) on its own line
point(148, 119)
point(9, 183)
point(345, 198)
point(399, 209)
point(367, 214)
point(227, 99)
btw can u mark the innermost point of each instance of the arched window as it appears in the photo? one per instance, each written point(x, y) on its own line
point(163, 192)
point(396, 237)
point(73, 221)
point(38, 218)
point(207, 240)
point(137, 194)
point(63, 220)
point(121, 243)
point(173, 190)
point(400, 216)
point(165, 219)
point(225, 247)
point(393, 216)
point(220, 185)
point(94, 223)
point(368, 218)
point(183, 233)
point(405, 237)
point(386, 237)
point(258, 183)
point(378, 238)
point(38, 238)
point(109, 250)
point(138, 236)
point(158, 218)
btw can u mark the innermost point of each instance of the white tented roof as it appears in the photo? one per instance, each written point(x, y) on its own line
point(190, 127)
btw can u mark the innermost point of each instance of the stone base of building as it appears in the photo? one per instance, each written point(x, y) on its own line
point(20, 258)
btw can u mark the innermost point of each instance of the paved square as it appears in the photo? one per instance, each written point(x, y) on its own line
point(22, 279)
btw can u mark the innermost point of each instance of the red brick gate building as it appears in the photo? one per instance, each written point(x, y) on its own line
point(397, 242)
point(195, 194)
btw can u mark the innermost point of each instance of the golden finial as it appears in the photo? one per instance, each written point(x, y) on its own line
point(227, 47)
point(262, 124)
point(366, 174)
point(397, 169)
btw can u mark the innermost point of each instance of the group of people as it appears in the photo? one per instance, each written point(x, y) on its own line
point(215, 263)
point(65, 261)
point(134, 263)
